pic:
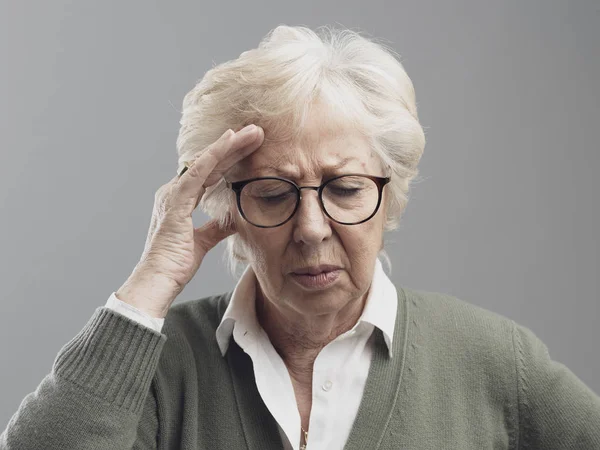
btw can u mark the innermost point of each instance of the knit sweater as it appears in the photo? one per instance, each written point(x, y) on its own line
point(460, 377)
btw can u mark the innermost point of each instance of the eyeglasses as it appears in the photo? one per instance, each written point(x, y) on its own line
point(269, 202)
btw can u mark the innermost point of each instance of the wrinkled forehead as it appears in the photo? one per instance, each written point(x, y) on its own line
point(323, 148)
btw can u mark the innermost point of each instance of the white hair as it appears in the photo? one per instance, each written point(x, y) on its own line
point(275, 85)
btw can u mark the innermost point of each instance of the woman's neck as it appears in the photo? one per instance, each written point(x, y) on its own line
point(297, 338)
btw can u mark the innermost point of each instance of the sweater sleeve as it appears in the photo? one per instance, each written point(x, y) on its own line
point(96, 395)
point(557, 411)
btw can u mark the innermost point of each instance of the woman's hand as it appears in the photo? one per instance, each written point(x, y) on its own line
point(175, 249)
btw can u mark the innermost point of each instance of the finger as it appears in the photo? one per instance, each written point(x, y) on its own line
point(189, 185)
point(233, 157)
point(211, 233)
point(192, 182)
point(245, 142)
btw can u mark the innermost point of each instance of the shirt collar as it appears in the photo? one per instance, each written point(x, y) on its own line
point(380, 308)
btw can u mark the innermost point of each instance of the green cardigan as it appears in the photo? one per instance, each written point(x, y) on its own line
point(461, 377)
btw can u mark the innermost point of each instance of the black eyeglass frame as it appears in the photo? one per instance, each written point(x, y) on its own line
point(237, 187)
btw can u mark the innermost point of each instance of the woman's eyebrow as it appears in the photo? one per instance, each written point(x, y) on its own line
point(338, 165)
point(289, 172)
point(294, 172)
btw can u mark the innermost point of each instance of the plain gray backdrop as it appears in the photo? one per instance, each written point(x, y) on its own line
point(506, 215)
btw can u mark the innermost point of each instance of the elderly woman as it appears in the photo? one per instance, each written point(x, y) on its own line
point(315, 348)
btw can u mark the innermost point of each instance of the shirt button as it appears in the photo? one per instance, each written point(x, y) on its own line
point(327, 385)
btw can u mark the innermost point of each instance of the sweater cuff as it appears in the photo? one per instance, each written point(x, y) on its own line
point(112, 357)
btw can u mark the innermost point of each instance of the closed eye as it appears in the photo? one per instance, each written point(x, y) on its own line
point(344, 192)
point(275, 198)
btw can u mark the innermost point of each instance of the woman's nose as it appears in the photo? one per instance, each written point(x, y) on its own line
point(311, 225)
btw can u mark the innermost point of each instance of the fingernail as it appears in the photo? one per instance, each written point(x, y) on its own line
point(247, 130)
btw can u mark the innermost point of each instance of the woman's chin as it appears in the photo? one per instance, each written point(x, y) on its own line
point(317, 301)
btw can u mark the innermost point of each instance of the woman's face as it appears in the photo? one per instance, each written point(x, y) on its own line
point(310, 238)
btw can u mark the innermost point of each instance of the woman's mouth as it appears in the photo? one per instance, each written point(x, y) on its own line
point(313, 279)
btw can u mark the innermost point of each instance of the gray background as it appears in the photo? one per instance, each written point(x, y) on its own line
point(506, 216)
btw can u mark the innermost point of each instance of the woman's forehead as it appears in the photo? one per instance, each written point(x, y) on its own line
point(329, 155)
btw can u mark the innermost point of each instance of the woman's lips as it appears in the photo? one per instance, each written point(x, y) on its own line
point(318, 281)
point(315, 270)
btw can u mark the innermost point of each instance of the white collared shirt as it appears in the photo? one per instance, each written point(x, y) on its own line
point(339, 372)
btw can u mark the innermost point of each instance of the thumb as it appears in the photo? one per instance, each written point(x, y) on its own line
point(211, 233)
